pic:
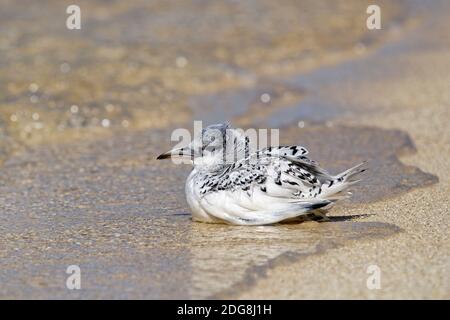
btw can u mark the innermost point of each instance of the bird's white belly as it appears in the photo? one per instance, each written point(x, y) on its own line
point(193, 200)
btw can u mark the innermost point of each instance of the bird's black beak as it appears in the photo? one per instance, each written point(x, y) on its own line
point(163, 156)
point(179, 153)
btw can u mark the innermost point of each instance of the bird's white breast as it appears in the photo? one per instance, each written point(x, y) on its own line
point(192, 190)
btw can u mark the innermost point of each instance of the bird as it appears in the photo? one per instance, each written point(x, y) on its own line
point(234, 184)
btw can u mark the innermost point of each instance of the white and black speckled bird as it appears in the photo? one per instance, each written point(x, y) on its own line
point(257, 188)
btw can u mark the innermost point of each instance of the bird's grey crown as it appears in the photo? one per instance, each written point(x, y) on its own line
point(223, 142)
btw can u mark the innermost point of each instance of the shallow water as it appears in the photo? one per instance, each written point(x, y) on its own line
point(79, 185)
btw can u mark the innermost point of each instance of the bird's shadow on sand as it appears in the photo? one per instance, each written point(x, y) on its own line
point(181, 214)
point(298, 221)
point(330, 219)
point(350, 218)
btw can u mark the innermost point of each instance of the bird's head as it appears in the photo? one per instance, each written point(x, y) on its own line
point(216, 146)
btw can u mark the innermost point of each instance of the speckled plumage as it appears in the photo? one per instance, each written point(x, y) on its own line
point(262, 187)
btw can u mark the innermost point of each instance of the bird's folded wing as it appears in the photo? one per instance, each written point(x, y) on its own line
point(292, 151)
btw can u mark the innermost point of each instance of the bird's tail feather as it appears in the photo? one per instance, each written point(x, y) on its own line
point(336, 188)
point(352, 172)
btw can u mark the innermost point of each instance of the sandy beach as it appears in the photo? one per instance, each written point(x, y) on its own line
point(415, 262)
point(84, 115)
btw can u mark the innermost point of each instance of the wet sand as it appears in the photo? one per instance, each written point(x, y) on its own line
point(77, 191)
point(110, 208)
